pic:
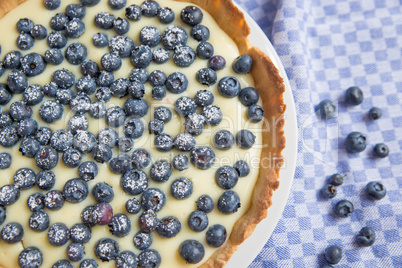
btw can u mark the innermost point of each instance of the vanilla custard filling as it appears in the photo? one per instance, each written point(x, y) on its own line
point(234, 119)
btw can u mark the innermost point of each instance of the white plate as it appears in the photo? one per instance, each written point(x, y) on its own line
point(250, 248)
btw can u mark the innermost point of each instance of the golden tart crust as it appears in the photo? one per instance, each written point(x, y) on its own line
point(270, 86)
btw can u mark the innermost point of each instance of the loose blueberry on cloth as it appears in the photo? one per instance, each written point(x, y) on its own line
point(327, 47)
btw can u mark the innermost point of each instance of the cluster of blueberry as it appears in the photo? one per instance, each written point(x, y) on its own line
point(44, 145)
point(355, 142)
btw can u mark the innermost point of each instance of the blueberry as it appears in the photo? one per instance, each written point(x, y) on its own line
point(75, 11)
point(149, 8)
point(63, 78)
point(126, 259)
point(117, 4)
point(97, 109)
point(104, 20)
point(333, 254)
point(72, 157)
point(355, 142)
point(107, 249)
point(39, 221)
point(80, 103)
point(76, 53)
point(206, 76)
point(375, 190)
point(343, 208)
point(336, 179)
point(53, 56)
point(168, 227)
point(249, 96)
point(119, 87)
point(245, 139)
point(80, 233)
point(150, 36)
point(216, 62)
point(229, 87)
point(176, 83)
point(102, 214)
point(58, 234)
point(75, 252)
point(5, 160)
point(205, 203)
point(163, 114)
point(255, 113)
point(88, 263)
point(180, 162)
point(64, 96)
point(212, 114)
point(24, 178)
point(194, 124)
point(75, 190)
point(202, 157)
point(153, 199)
point(84, 141)
point(58, 22)
point(366, 237)
point(181, 188)
point(20, 111)
point(134, 182)
point(133, 206)
point(51, 4)
point(46, 158)
point(33, 64)
point(328, 191)
point(183, 56)
point(229, 202)
point(120, 225)
point(29, 147)
point(242, 64)
point(155, 126)
point(142, 240)
point(224, 140)
point(89, 3)
point(191, 15)
point(242, 168)
point(140, 158)
point(115, 116)
point(185, 106)
point(17, 81)
point(184, 142)
point(354, 96)
point(135, 108)
point(5, 94)
point(160, 55)
point(158, 92)
point(27, 127)
point(50, 111)
point(75, 28)
point(24, 25)
point(111, 61)
point(100, 40)
point(141, 56)
point(76, 123)
point(375, 113)
point(25, 41)
point(160, 171)
point(9, 136)
point(381, 150)
point(139, 74)
point(54, 200)
point(133, 12)
point(163, 142)
point(57, 40)
point(105, 79)
point(12, 60)
point(203, 98)
point(88, 170)
point(12, 233)
point(191, 251)
point(120, 164)
point(216, 235)
point(62, 264)
point(326, 109)
point(61, 140)
point(108, 137)
point(148, 221)
point(198, 221)
point(226, 177)
point(86, 84)
point(9, 194)
point(86, 216)
point(125, 144)
point(205, 50)
point(200, 33)
point(103, 94)
point(45, 180)
point(123, 45)
point(6, 121)
point(174, 36)
point(136, 90)
point(30, 257)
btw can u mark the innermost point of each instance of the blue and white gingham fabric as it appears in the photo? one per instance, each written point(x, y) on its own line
point(327, 46)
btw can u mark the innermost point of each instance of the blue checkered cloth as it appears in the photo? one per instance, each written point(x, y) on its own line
point(327, 46)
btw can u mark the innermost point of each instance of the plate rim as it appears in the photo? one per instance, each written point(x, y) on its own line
point(253, 245)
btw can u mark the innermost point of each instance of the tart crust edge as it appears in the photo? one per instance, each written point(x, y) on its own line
point(270, 87)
